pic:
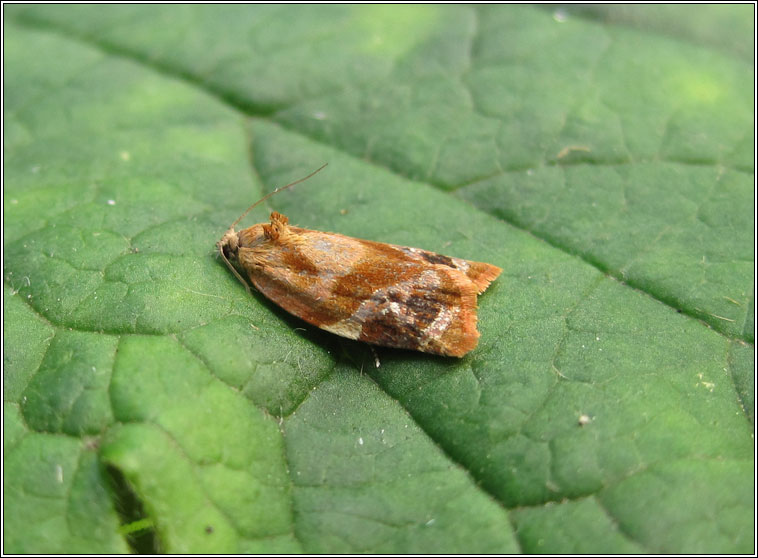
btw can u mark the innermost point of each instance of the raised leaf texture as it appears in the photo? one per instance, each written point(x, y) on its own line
point(603, 157)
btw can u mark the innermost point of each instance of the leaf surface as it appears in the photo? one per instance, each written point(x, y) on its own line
point(604, 162)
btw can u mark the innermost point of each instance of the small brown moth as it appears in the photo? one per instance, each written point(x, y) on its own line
point(379, 293)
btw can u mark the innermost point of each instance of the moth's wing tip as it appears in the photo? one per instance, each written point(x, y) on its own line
point(482, 274)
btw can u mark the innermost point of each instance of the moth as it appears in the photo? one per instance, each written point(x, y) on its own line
point(382, 294)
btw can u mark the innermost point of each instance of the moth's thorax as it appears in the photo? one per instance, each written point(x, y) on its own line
point(252, 237)
point(257, 246)
point(232, 241)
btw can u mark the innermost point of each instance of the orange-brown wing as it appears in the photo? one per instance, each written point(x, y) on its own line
point(430, 309)
point(378, 293)
point(482, 274)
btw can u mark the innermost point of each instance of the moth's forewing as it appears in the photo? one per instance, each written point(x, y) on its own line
point(378, 293)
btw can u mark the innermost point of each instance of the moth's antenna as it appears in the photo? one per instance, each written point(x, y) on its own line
point(267, 196)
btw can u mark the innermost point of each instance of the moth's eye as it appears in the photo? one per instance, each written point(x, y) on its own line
point(227, 249)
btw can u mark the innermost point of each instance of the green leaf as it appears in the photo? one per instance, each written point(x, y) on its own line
point(603, 157)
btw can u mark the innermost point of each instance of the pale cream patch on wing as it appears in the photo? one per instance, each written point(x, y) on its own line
point(340, 252)
point(463, 265)
point(440, 324)
point(346, 328)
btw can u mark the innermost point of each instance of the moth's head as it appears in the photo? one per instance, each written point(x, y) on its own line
point(228, 247)
point(229, 244)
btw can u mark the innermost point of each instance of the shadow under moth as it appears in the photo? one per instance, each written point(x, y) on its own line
point(383, 294)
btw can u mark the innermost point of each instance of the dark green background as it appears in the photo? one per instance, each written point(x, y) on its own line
point(602, 156)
